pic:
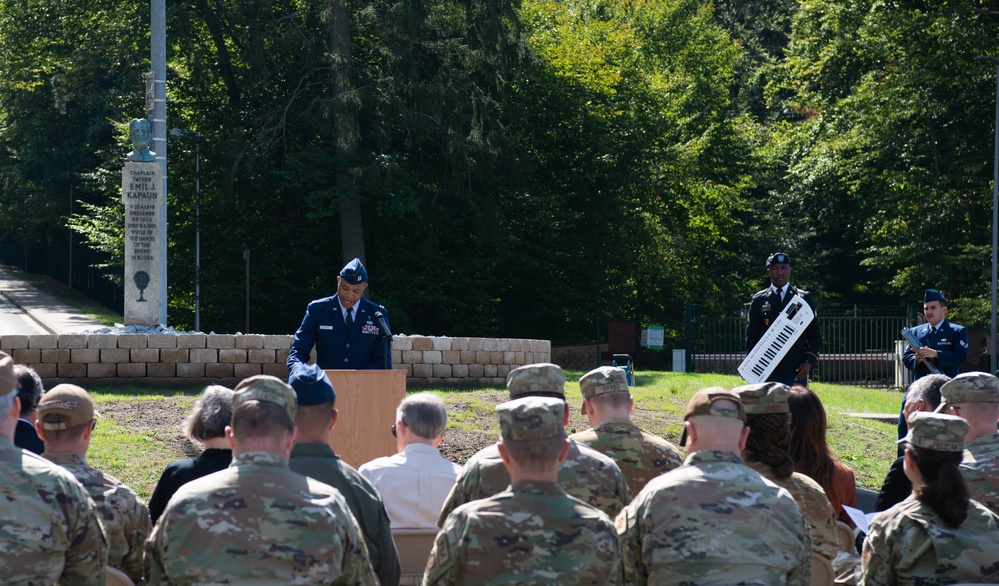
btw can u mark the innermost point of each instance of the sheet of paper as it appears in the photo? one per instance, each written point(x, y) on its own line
point(860, 519)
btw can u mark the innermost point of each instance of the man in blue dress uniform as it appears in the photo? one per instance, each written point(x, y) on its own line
point(343, 328)
point(942, 344)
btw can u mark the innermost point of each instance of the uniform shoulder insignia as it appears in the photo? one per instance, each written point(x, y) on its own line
point(763, 292)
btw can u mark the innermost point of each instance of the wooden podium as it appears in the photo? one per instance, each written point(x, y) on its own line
point(366, 400)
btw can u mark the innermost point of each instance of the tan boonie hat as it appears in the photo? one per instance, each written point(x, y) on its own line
point(703, 403)
point(764, 398)
point(69, 400)
point(263, 387)
point(936, 431)
point(536, 378)
point(8, 382)
point(970, 387)
point(531, 418)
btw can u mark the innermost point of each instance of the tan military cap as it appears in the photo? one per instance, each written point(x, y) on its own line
point(703, 403)
point(531, 418)
point(264, 387)
point(8, 382)
point(763, 398)
point(536, 378)
point(936, 431)
point(69, 400)
point(970, 387)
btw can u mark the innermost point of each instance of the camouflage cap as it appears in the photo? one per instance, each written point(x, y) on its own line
point(531, 418)
point(69, 400)
point(703, 403)
point(536, 378)
point(763, 398)
point(264, 387)
point(8, 382)
point(970, 387)
point(936, 431)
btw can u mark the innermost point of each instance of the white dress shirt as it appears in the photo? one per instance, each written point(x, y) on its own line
point(413, 483)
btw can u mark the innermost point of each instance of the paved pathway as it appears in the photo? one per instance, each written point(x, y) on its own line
point(15, 321)
point(51, 315)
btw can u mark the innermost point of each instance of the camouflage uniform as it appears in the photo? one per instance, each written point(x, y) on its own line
point(641, 456)
point(980, 469)
point(533, 533)
point(48, 528)
point(124, 515)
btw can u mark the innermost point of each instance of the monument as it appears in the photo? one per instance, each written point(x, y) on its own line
point(142, 193)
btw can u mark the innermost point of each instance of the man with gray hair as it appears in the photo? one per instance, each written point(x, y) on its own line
point(415, 482)
point(31, 392)
point(48, 528)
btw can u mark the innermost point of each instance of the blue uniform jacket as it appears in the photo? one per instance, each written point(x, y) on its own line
point(950, 342)
point(323, 327)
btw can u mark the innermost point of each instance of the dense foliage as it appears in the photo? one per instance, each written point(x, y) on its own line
point(519, 167)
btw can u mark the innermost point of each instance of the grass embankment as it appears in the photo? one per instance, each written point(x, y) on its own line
point(140, 429)
point(69, 296)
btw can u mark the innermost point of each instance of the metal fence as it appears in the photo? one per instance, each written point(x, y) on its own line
point(71, 265)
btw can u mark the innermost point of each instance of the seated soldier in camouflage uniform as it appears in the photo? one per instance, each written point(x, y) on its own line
point(937, 535)
point(767, 451)
point(607, 403)
point(49, 531)
point(974, 396)
point(714, 520)
point(533, 533)
point(257, 521)
point(66, 423)
point(586, 474)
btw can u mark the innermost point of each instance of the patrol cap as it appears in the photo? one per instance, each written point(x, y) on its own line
point(264, 387)
point(533, 379)
point(606, 379)
point(354, 273)
point(764, 398)
point(969, 387)
point(778, 258)
point(69, 400)
point(936, 431)
point(934, 295)
point(531, 418)
point(8, 382)
point(311, 385)
point(703, 403)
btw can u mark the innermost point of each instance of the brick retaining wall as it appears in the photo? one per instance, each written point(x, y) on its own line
point(199, 359)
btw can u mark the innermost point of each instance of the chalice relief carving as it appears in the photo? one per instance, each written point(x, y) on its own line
point(141, 279)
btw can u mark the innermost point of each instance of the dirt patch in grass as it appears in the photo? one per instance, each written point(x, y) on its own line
point(163, 419)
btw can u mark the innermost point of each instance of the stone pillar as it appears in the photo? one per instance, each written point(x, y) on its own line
point(142, 192)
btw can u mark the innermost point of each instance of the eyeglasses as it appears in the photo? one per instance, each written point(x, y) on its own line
point(94, 426)
point(393, 431)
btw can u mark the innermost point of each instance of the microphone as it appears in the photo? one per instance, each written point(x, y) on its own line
point(380, 317)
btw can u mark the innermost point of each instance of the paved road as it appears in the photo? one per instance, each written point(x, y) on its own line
point(14, 321)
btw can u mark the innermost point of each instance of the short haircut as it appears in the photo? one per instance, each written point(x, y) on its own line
point(61, 436)
point(927, 389)
point(314, 418)
point(260, 419)
point(210, 415)
point(424, 414)
point(31, 387)
point(615, 400)
point(535, 454)
point(6, 404)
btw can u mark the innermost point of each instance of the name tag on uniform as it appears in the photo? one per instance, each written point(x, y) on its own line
point(325, 327)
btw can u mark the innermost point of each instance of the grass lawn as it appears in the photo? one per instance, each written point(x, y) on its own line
point(140, 429)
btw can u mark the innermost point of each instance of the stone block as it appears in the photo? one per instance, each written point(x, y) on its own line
point(278, 342)
point(402, 343)
point(85, 355)
point(490, 344)
point(409, 370)
point(518, 358)
point(483, 357)
point(13, 342)
point(459, 344)
point(102, 341)
point(232, 356)
point(40, 341)
point(441, 343)
point(132, 341)
point(396, 356)
point(503, 344)
point(161, 370)
point(249, 342)
point(191, 340)
point(282, 357)
point(433, 357)
point(475, 344)
point(422, 370)
point(245, 370)
point(442, 370)
point(190, 370)
point(204, 355)
point(475, 370)
point(489, 370)
point(496, 357)
point(22, 356)
point(496, 381)
point(545, 346)
point(451, 357)
point(114, 355)
point(503, 370)
point(70, 370)
point(523, 345)
point(99, 370)
point(279, 370)
point(509, 357)
point(422, 343)
point(459, 370)
point(55, 356)
point(177, 355)
point(72, 341)
point(412, 357)
point(45, 370)
point(161, 341)
point(134, 370)
point(260, 356)
point(467, 357)
point(145, 355)
point(218, 370)
point(220, 341)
